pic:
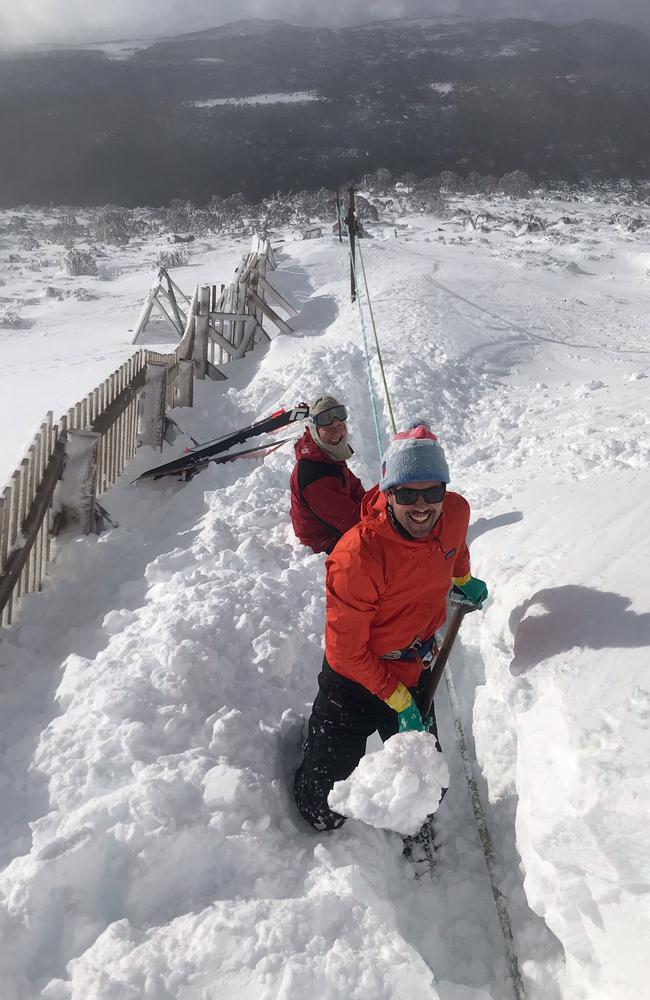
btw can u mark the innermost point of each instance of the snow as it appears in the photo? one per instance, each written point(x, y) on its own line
point(153, 696)
point(397, 787)
point(442, 88)
point(122, 49)
point(295, 97)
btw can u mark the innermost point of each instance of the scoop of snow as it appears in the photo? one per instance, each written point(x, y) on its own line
point(397, 787)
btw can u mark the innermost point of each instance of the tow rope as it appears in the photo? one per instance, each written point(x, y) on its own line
point(371, 385)
point(461, 742)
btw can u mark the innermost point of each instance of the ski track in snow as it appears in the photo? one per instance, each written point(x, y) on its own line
point(151, 844)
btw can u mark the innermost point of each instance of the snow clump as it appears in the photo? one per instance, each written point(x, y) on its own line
point(397, 787)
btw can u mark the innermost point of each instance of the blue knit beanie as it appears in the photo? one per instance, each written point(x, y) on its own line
point(413, 456)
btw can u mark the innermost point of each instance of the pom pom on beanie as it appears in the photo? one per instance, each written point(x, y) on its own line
point(413, 456)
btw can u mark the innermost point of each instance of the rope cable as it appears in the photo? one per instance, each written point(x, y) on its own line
point(379, 357)
point(371, 387)
point(461, 742)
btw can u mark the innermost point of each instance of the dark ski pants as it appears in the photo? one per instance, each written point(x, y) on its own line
point(343, 716)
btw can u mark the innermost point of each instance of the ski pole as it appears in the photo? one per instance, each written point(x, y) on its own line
point(461, 608)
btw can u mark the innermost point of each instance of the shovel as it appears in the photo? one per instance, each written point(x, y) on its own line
point(461, 607)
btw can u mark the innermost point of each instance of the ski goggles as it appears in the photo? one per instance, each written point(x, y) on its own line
point(327, 417)
point(405, 496)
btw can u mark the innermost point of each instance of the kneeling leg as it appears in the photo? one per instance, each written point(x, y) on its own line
point(335, 744)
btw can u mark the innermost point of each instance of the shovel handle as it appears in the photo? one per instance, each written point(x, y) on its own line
point(425, 700)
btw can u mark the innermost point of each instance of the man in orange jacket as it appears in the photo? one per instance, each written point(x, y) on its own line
point(387, 582)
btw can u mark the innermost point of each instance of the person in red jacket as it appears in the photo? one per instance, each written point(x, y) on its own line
point(387, 582)
point(325, 496)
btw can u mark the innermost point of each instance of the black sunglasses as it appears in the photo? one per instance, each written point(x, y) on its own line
point(328, 417)
point(405, 496)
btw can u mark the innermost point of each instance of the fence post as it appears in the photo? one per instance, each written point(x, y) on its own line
point(151, 408)
point(184, 384)
point(201, 333)
point(76, 489)
point(351, 221)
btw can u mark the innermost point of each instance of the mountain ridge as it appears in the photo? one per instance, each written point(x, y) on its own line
point(260, 106)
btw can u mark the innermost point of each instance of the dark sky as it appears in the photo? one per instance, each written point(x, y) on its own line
point(38, 21)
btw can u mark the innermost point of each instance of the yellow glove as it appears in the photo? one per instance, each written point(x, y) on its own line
point(399, 699)
point(408, 713)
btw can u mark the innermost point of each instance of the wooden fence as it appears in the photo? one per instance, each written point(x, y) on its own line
point(73, 462)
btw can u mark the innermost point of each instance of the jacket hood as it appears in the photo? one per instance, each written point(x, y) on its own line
point(306, 447)
point(374, 516)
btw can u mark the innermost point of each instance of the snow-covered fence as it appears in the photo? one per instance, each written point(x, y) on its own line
point(180, 364)
point(72, 462)
point(69, 465)
point(164, 295)
point(229, 319)
point(223, 323)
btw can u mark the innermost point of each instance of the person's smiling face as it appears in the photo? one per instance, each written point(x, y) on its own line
point(334, 433)
point(417, 514)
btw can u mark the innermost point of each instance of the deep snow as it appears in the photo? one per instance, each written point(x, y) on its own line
point(151, 845)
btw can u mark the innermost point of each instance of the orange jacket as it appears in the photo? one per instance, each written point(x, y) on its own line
point(383, 591)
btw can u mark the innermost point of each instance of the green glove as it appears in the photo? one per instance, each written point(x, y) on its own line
point(474, 590)
point(410, 719)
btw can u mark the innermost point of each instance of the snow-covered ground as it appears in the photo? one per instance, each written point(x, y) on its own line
point(152, 696)
point(294, 97)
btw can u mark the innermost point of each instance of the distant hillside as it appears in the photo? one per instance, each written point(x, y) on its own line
point(264, 106)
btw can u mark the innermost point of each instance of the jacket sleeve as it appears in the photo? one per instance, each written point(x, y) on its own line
point(328, 498)
point(461, 560)
point(353, 591)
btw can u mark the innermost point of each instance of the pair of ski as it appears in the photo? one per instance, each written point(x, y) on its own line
point(197, 459)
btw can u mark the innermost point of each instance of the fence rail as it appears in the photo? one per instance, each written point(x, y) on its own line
point(73, 462)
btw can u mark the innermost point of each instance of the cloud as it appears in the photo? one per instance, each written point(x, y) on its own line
point(39, 21)
point(59, 21)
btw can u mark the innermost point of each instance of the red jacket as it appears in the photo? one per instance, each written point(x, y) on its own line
point(325, 496)
point(384, 591)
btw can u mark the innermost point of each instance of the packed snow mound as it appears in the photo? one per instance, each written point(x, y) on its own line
point(397, 787)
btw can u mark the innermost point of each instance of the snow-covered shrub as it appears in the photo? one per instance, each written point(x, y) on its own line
point(278, 212)
point(476, 183)
point(170, 258)
point(115, 226)
point(366, 210)
point(516, 184)
point(450, 182)
point(428, 198)
point(179, 216)
point(78, 262)
point(408, 180)
point(17, 224)
point(11, 320)
point(382, 177)
point(67, 231)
